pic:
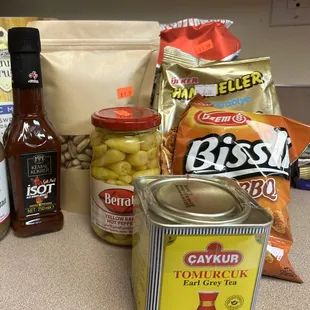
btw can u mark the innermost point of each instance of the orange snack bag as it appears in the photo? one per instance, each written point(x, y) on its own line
point(254, 149)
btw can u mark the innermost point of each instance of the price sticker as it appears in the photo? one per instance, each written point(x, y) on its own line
point(124, 92)
point(276, 252)
point(203, 47)
point(123, 114)
point(206, 90)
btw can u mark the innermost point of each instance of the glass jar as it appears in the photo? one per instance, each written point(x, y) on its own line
point(4, 196)
point(126, 145)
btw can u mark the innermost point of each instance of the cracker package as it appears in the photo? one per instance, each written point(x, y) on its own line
point(204, 38)
point(254, 149)
point(88, 66)
point(237, 85)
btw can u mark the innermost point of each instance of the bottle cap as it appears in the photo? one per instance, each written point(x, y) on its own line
point(126, 118)
point(24, 40)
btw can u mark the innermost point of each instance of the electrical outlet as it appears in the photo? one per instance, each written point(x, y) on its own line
point(294, 4)
point(290, 12)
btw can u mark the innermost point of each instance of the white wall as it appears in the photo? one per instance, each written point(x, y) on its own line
point(289, 47)
point(295, 102)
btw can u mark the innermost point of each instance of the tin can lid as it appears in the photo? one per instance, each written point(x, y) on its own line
point(199, 201)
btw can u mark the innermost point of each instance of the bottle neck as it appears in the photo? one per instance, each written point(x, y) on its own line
point(28, 101)
point(27, 84)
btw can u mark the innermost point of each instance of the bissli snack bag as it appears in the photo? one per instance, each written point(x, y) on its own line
point(167, 149)
point(254, 149)
point(238, 85)
point(204, 38)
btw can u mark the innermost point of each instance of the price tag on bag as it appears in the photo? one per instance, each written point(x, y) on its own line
point(206, 90)
point(203, 47)
point(276, 252)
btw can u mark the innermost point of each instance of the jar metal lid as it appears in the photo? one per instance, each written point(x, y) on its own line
point(126, 118)
point(199, 201)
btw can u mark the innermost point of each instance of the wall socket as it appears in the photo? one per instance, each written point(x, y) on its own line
point(295, 4)
point(290, 12)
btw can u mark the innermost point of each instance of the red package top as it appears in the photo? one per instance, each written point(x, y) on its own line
point(211, 41)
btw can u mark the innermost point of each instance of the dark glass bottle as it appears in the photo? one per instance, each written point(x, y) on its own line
point(32, 147)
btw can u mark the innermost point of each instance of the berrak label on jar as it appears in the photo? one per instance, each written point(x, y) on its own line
point(112, 207)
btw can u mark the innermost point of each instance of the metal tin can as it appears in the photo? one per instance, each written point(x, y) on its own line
point(198, 243)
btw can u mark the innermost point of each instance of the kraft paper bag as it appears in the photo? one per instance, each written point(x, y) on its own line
point(88, 66)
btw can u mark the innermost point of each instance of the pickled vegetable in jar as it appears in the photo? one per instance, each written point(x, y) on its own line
point(126, 145)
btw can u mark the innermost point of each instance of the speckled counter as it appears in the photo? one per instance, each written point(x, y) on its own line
point(73, 269)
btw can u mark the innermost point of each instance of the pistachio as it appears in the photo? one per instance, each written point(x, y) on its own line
point(85, 164)
point(72, 149)
point(75, 162)
point(64, 147)
point(82, 145)
point(67, 156)
point(78, 139)
point(89, 152)
point(83, 157)
point(76, 152)
point(62, 139)
point(68, 164)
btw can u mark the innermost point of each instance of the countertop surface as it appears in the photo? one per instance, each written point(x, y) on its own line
point(73, 269)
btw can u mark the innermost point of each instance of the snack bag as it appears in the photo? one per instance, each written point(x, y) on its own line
point(199, 100)
point(254, 149)
point(237, 85)
point(207, 39)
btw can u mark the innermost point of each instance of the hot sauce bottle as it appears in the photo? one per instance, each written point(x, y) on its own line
point(32, 147)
